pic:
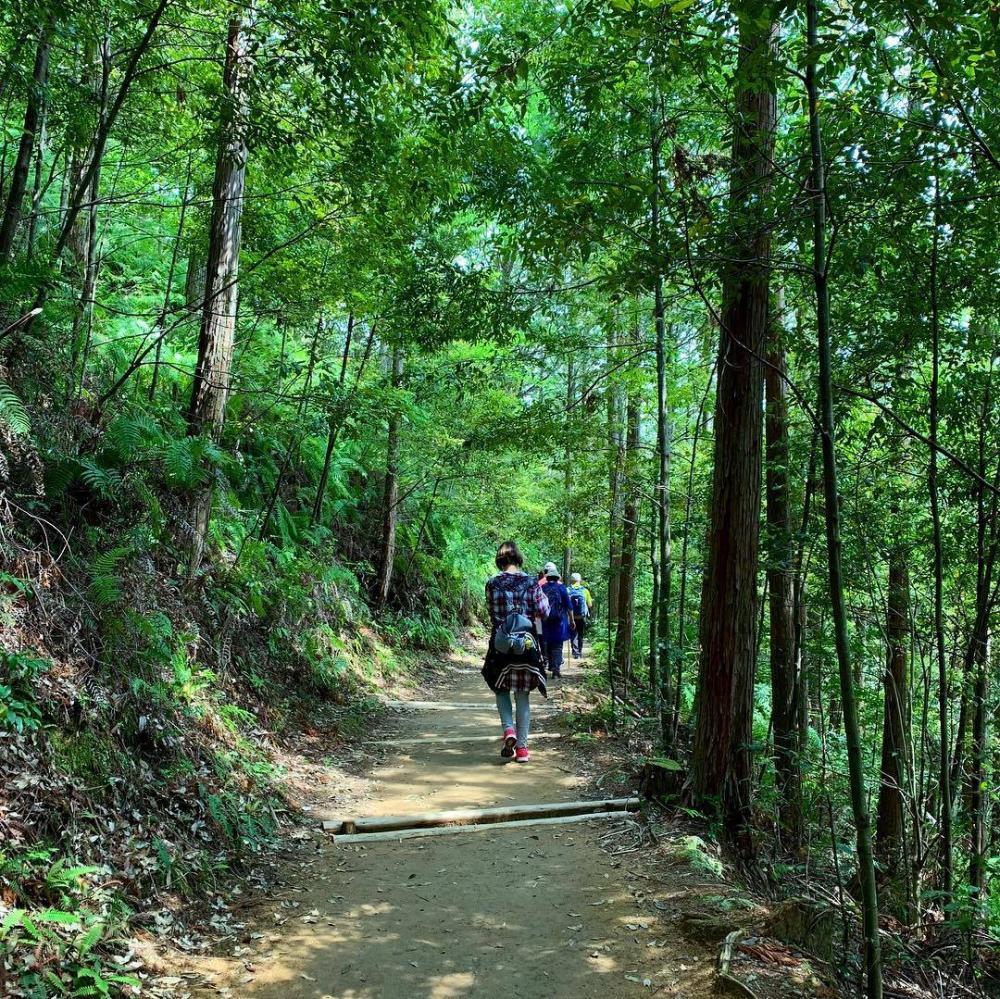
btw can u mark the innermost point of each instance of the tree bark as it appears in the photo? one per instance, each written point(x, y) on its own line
point(662, 653)
point(29, 134)
point(210, 389)
point(625, 612)
point(36, 187)
point(944, 706)
point(390, 497)
point(616, 465)
point(831, 490)
point(781, 597)
point(890, 828)
point(977, 784)
point(721, 752)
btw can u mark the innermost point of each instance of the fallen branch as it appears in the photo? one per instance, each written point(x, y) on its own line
point(726, 982)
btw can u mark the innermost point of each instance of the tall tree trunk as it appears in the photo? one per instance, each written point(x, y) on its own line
point(682, 596)
point(944, 706)
point(985, 560)
point(29, 135)
point(36, 188)
point(210, 390)
point(655, 691)
point(721, 753)
point(780, 581)
point(87, 224)
point(568, 473)
point(662, 655)
point(831, 491)
point(390, 496)
point(631, 487)
point(890, 828)
point(616, 465)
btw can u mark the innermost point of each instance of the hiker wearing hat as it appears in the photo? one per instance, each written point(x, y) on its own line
point(558, 624)
point(581, 603)
point(513, 661)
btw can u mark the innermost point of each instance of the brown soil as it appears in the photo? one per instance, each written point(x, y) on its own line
point(525, 912)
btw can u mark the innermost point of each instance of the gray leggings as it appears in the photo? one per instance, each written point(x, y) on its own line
point(523, 713)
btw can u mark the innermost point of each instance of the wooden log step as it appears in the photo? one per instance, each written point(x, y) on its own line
point(393, 835)
point(478, 816)
point(431, 740)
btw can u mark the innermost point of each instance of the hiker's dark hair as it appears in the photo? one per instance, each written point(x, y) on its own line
point(509, 554)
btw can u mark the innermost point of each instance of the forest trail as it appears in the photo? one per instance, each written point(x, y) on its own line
point(539, 911)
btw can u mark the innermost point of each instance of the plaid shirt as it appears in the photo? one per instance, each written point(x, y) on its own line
point(515, 593)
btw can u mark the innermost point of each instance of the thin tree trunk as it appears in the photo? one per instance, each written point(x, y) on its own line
point(390, 498)
point(682, 597)
point(625, 615)
point(978, 786)
point(799, 613)
point(616, 464)
point(82, 316)
point(171, 271)
point(568, 474)
point(721, 764)
point(890, 826)
point(662, 656)
point(336, 418)
point(78, 193)
point(210, 390)
point(852, 729)
point(781, 599)
point(29, 135)
point(655, 692)
point(36, 187)
point(944, 707)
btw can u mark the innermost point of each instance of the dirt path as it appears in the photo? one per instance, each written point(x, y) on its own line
point(527, 912)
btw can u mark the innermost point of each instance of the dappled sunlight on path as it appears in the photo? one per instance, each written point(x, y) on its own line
point(528, 912)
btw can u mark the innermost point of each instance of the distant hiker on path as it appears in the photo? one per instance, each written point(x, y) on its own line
point(513, 661)
point(582, 603)
point(559, 620)
point(539, 623)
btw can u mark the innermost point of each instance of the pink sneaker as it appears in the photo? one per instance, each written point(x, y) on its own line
point(509, 739)
point(522, 755)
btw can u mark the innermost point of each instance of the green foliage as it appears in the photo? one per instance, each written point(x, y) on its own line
point(62, 949)
point(19, 710)
point(12, 411)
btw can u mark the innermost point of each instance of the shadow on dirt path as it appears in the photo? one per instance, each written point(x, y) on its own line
point(526, 913)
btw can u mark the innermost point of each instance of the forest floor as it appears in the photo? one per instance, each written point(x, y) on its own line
point(589, 908)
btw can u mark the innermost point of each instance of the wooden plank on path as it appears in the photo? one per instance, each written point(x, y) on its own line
point(392, 835)
point(479, 816)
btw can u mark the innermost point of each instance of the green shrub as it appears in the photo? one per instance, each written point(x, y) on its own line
point(18, 708)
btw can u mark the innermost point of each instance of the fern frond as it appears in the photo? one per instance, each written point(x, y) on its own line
point(12, 411)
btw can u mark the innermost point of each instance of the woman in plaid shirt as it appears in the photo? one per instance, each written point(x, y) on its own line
point(514, 592)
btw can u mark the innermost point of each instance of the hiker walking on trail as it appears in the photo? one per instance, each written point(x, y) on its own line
point(581, 602)
point(539, 623)
point(559, 621)
point(513, 661)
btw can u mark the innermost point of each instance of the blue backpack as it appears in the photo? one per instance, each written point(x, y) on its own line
point(579, 605)
point(557, 605)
